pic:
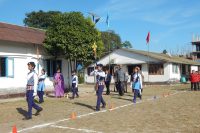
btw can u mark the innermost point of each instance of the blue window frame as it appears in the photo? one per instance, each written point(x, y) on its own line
point(6, 67)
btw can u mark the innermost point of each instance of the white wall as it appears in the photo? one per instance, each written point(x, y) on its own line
point(22, 54)
point(124, 57)
point(194, 68)
point(173, 75)
point(90, 79)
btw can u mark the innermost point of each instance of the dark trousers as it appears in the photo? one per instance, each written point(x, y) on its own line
point(120, 86)
point(40, 95)
point(107, 88)
point(194, 86)
point(31, 103)
point(125, 86)
point(198, 86)
point(74, 92)
point(136, 94)
point(99, 97)
point(115, 87)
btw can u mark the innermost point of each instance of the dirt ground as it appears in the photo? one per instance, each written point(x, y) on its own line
point(166, 109)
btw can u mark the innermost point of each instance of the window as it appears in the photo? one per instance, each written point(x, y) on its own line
point(175, 68)
point(89, 70)
point(52, 66)
point(6, 67)
point(198, 56)
point(156, 69)
point(197, 48)
point(2, 67)
point(131, 68)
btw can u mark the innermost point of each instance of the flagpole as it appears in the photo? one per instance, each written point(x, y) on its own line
point(148, 62)
point(147, 43)
point(108, 25)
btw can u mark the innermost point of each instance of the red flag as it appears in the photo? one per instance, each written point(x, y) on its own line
point(148, 37)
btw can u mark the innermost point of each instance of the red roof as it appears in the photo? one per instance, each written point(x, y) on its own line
point(14, 33)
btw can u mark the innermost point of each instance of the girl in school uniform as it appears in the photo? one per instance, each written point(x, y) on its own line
point(136, 84)
point(41, 86)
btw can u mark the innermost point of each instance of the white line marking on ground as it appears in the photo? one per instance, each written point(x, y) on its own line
point(77, 129)
point(36, 126)
point(88, 114)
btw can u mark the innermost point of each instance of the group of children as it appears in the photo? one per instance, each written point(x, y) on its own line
point(101, 80)
point(36, 85)
point(195, 79)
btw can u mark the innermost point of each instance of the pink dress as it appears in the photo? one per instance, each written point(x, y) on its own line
point(59, 84)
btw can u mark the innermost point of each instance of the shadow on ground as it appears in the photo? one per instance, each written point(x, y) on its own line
point(122, 98)
point(85, 105)
point(22, 111)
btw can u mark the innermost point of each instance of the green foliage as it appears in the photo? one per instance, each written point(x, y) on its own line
point(80, 79)
point(111, 40)
point(40, 19)
point(72, 35)
point(126, 44)
point(164, 51)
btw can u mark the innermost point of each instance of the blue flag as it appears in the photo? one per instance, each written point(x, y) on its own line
point(107, 21)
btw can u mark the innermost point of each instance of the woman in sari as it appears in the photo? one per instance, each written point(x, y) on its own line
point(59, 84)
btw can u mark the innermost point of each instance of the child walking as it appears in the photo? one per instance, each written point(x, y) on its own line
point(31, 91)
point(136, 84)
point(41, 86)
point(74, 85)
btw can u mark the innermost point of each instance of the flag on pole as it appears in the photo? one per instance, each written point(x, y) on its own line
point(107, 21)
point(148, 38)
point(97, 20)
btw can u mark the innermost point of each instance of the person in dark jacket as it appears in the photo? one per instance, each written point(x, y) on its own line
point(107, 82)
point(121, 78)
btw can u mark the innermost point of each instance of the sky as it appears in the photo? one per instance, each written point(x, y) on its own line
point(172, 23)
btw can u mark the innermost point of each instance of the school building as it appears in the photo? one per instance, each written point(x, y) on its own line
point(18, 46)
point(156, 67)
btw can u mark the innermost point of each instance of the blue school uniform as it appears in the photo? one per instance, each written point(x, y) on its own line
point(41, 87)
point(75, 86)
point(31, 91)
point(136, 85)
point(100, 77)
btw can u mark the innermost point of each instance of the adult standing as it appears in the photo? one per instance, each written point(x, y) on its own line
point(121, 78)
point(107, 82)
point(115, 78)
point(194, 80)
point(58, 84)
point(31, 90)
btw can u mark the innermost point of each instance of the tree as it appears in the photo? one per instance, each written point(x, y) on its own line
point(40, 19)
point(72, 36)
point(126, 44)
point(164, 51)
point(111, 40)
